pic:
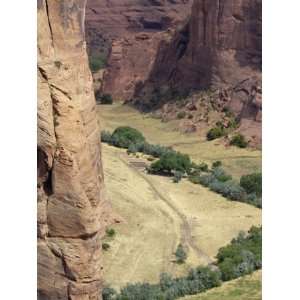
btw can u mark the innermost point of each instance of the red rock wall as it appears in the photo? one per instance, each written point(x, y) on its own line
point(220, 47)
point(131, 31)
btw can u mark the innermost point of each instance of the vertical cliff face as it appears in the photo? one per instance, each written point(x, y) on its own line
point(219, 48)
point(72, 209)
point(130, 31)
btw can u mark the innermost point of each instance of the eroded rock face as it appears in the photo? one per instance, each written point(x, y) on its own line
point(130, 31)
point(219, 48)
point(72, 207)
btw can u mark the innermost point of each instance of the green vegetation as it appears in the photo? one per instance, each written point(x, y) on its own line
point(221, 130)
point(171, 162)
point(217, 164)
point(244, 288)
point(177, 176)
point(181, 115)
point(252, 183)
point(215, 133)
point(180, 254)
point(124, 136)
point(104, 98)
point(110, 232)
point(239, 140)
point(176, 164)
point(105, 246)
point(97, 62)
point(242, 256)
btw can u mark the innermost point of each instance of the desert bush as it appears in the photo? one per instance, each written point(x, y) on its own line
point(217, 164)
point(242, 256)
point(177, 176)
point(105, 246)
point(180, 254)
point(233, 191)
point(155, 150)
point(105, 137)
point(214, 133)
point(220, 174)
point(206, 180)
point(110, 232)
point(239, 140)
point(203, 167)
point(105, 99)
point(252, 183)
point(181, 115)
point(133, 148)
point(124, 136)
point(108, 293)
point(171, 162)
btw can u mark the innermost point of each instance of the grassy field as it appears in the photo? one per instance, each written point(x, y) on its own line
point(246, 288)
point(158, 215)
point(235, 160)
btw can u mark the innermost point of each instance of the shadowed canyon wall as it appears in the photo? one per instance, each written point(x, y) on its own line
point(129, 32)
point(72, 207)
point(219, 48)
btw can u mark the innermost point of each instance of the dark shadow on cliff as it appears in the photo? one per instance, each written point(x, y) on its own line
point(173, 76)
point(251, 54)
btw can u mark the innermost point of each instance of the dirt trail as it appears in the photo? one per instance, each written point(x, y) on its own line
point(186, 232)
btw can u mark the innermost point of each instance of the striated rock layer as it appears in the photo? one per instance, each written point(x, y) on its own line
point(129, 33)
point(72, 208)
point(219, 48)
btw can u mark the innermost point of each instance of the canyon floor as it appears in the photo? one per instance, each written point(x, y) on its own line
point(235, 160)
point(158, 214)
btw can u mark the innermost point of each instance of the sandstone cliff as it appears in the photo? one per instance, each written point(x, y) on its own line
point(129, 32)
point(219, 48)
point(72, 209)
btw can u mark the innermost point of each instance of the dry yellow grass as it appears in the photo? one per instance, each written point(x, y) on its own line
point(235, 160)
point(158, 215)
point(245, 288)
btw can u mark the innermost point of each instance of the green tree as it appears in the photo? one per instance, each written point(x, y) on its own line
point(252, 183)
point(180, 254)
point(124, 136)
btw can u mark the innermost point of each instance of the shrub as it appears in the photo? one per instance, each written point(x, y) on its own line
point(133, 148)
point(215, 133)
point(206, 180)
point(155, 150)
point(252, 183)
point(220, 174)
point(108, 293)
point(124, 136)
point(180, 254)
point(97, 62)
point(181, 115)
point(106, 99)
point(177, 176)
point(106, 137)
point(105, 246)
point(170, 162)
point(217, 164)
point(242, 256)
point(239, 141)
point(110, 232)
point(203, 167)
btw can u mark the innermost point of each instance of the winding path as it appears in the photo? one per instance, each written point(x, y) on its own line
point(186, 232)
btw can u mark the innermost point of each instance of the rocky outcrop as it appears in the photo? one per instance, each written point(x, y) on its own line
point(219, 48)
point(72, 208)
point(129, 32)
